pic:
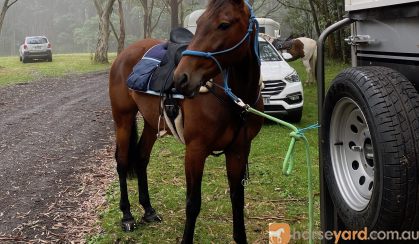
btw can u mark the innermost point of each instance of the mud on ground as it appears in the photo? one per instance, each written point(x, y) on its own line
point(55, 158)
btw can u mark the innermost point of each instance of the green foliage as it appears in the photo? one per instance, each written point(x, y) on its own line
point(12, 71)
point(299, 20)
point(270, 196)
point(86, 34)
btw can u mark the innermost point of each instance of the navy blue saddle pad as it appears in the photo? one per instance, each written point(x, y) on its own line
point(153, 74)
point(139, 78)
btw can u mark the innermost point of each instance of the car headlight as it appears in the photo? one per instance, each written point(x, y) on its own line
point(293, 77)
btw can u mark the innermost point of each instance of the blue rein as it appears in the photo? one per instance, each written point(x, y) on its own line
point(253, 23)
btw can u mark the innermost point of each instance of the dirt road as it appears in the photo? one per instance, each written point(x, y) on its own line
point(54, 157)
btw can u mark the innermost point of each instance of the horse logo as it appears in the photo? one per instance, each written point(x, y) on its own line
point(279, 233)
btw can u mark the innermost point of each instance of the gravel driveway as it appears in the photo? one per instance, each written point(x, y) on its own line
point(55, 157)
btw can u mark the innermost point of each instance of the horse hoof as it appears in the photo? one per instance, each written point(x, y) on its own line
point(128, 225)
point(151, 217)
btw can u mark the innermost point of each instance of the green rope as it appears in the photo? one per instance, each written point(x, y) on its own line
point(296, 134)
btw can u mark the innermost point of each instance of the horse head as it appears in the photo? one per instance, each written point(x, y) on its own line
point(222, 26)
point(278, 44)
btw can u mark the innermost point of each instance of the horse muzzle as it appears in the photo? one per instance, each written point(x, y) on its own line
point(185, 85)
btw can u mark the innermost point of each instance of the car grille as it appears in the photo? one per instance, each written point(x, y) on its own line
point(273, 87)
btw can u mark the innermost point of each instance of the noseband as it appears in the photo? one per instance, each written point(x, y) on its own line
point(253, 23)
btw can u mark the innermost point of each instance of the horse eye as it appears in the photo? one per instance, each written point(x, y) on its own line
point(224, 26)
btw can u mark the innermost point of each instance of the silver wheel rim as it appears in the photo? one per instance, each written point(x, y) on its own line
point(352, 154)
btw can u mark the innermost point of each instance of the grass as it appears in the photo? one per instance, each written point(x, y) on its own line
point(12, 71)
point(270, 196)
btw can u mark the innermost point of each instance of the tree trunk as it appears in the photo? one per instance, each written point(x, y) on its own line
point(331, 38)
point(6, 6)
point(121, 39)
point(174, 13)
point(101, 54)
point(315, 19)
point(344, 48)
point(146, 22)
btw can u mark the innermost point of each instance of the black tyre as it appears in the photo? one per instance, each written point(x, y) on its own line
point(49, 59)
point(371, 148)
point(20, 58)
point(294, 116)
point(25, 60)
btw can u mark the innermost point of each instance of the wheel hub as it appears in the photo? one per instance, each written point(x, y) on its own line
point(352, 154)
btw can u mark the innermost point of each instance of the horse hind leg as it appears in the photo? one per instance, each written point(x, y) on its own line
point(306, 64)
point(126, 142)
point(147, 140)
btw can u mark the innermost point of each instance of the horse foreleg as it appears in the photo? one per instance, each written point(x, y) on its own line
point(124, 140)
point(236, 167)
point(147, 140)
point(194, 167)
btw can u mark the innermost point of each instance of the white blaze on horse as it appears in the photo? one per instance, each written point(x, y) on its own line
point(301, 47)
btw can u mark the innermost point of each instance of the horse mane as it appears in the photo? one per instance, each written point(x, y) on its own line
point(290, 37)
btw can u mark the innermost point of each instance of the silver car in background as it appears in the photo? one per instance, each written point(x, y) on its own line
point(35, 47)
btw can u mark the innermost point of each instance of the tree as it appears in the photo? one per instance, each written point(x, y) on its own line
point(104, 13)
point(148, 8)
point(174, 12)
point(121, 37)
point(304, 15)
point(263, 11)
point(6, 5)
point(147, 17)
point(315, 19)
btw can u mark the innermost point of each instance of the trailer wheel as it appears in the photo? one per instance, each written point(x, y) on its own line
point(371, 148)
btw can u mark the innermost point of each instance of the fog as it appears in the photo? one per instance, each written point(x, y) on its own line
point(71, 25)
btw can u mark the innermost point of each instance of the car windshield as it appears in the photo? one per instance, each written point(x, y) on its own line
point(268, 53)
point(36, 40)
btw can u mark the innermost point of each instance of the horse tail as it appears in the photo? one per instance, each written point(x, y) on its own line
point(133, 152)
point(129, 167)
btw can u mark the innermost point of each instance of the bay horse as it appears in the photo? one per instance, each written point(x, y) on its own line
point(300, 48)
point(212, 121)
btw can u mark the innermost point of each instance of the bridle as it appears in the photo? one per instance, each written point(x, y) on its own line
point(253, 24)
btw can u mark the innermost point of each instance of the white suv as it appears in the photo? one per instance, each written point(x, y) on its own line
point(283, 91)
point(35, 47)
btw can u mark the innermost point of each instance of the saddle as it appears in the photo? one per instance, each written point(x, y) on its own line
point(162, 79)
point(153, 74)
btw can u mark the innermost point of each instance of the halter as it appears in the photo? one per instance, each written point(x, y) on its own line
point(253, 23)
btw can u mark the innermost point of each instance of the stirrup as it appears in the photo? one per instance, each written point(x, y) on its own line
point(160, 133)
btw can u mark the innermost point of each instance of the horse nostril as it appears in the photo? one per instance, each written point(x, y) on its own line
point(184, 78)
point(181, 81)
